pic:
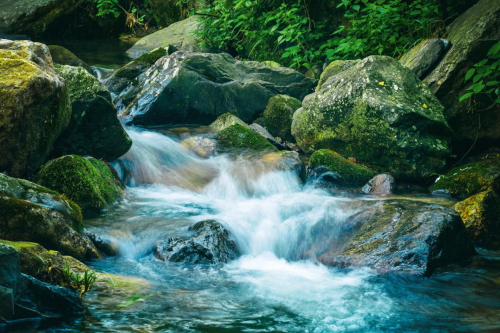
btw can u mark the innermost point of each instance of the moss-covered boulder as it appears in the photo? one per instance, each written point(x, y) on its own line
point(94, 128)
point(397, 236)
point(424, 56)
point(334, 68)
point(271, 63)
point(278, 116)
point(481, 216)
point(237, 137)
point(128, 74)
point(225, 120)
point(471, 36)
point(63, 56)
point(91, 183)
point(469, 179)
point(351, 173)
point(378, 112)
point(196, 88)
point(30, 212)
point(34, 106)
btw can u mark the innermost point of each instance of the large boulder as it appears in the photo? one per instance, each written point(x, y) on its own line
point(92, 184)
point(422, 58)
point(471, 35)
point(481, 215)
point(63, 56)
point(469, 179)
point(382, 184)
point(278, 116)
point(94, 128)
point(238, 137)
point(197, 87)
point(33, 213)
point(211, 244)
point(179, 34)
point(34, 106)
point(378, 112)
point(399, 236)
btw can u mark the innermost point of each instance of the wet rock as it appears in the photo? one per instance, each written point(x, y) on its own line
point(211, 244)
point(422, 58)
point(265, 134)
point(469, 179)
point(285, 161)
point(34, 104)
point(481, 216)
point(63, 56)
point(178, 34)
point(349, 172)
point(237, 137)
point(400, 236)
point(278, 116)
point(33, 213)
point(471, 35)
point(92, 184)
point(203, 145)
point(225, 120)
point(201, 86)
point(382, 184)
point(94, 128)
point(378, 112)
point(103, 244)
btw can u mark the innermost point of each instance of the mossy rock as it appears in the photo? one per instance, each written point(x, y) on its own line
point(352, 174)
point(278, 116)
point(63, 56)
point(271, 63)
point(334, 68)
point(481, 215)
point(90, 183)
point(225, 120)
point(240, 137)
point(469, 179)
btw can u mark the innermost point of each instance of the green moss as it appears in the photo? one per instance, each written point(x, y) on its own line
point(352, 173)
point(152, 56)
point(278, 116)
point(333, 69)
point(87, 181)
point(240, 137)
point(225, 120)
point(470, 179)
point(271, 63)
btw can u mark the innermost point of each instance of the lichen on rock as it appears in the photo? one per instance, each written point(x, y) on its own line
point(278, 116)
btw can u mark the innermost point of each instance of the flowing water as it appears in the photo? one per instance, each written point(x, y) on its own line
point(268, 289)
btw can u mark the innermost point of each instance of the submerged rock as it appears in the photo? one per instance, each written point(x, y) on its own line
point(378, 112)
point(33, 213)
point(349, 173)
point(240, 137)
point(34, 106)
point(481, 216)
point(94, 128)
point(63, 56)
point(382, 184)
point(278, 116)
point(422, 58)
point(285, 161)
point(469, 179)
point(91, 183)
point(211, 244)
point(203, 145)
point(399, 236)
point(192, 88)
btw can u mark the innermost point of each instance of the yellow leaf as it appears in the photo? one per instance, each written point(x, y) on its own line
point(425, 106)
point(381, 83)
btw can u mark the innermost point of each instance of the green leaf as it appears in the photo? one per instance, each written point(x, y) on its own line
point(469, 74)
point(465, 96)
point(356, 8)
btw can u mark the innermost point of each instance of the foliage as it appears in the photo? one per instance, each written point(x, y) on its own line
point(485, 77)
point(80, 282)
point(107, 7)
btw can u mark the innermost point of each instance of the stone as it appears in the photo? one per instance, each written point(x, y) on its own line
point(382, 184)
point(334, 68)
point(285, 161)
point(203, 145)
point(271, 63)
point(34, 106)
point(378, 112)
point(30, 212)
point(265, 134)
point(471, 36)
point(278, 116)
point(63, 56)
point(348, 173)
point(211, 244)
point(481, 216)
point(199, 87)
point(469, 179)
point(94, 185)
point(9, 281)
point(225, 120)
point(178, 34)
point(399, 237)
point(237, 137)
point(424, 56)
point(94, 128)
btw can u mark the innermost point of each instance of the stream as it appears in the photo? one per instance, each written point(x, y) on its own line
point(269, 288)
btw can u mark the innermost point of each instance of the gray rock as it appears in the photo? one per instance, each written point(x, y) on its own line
point(211, 244)
point(197, 87)
point(63, 56)
point(422, 58)
point(382, 184)
point(399, 236)
point(203, 145)
point(378, 112)
point(262, 131)
point(225, 120)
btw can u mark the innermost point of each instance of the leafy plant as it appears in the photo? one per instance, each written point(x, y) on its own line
point(485, 77)
point(81, 282)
